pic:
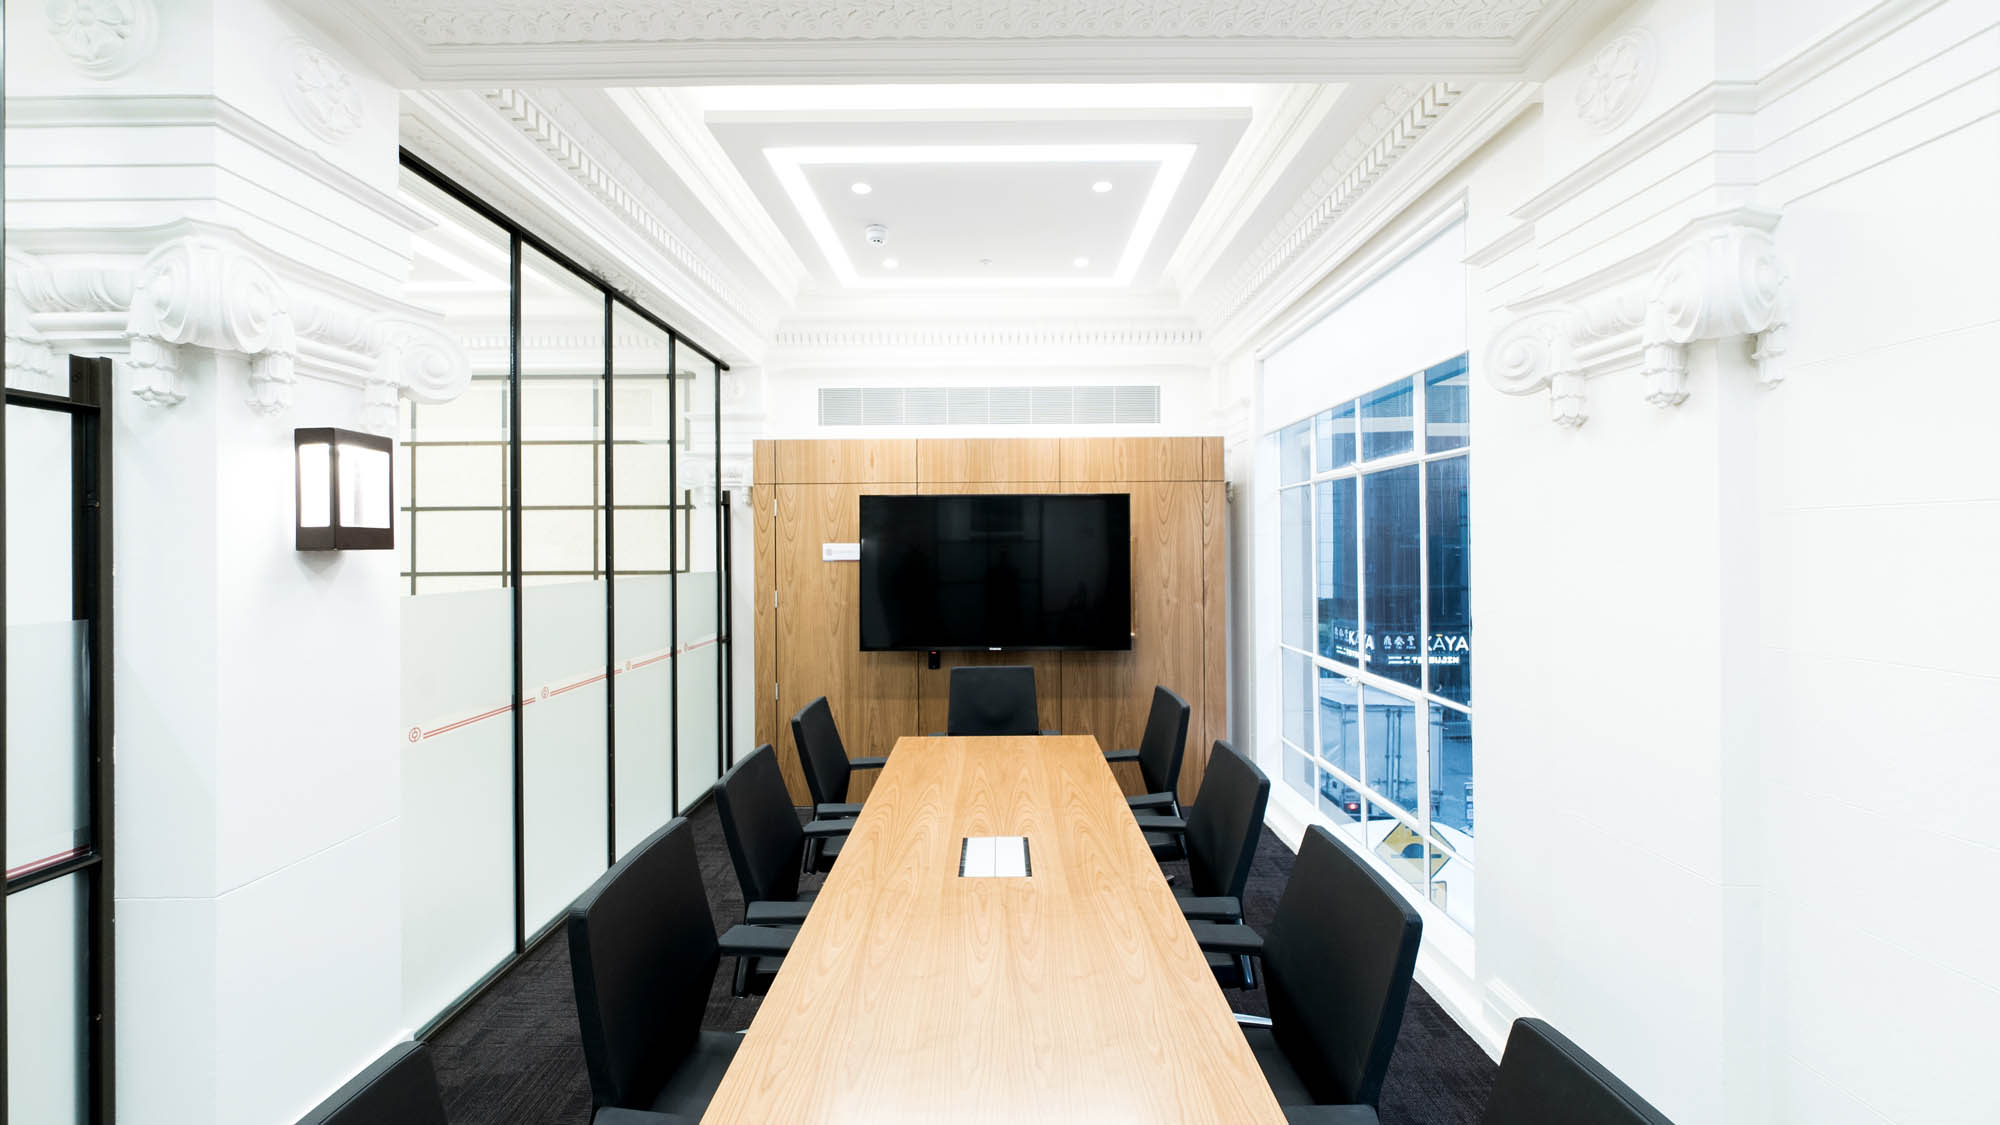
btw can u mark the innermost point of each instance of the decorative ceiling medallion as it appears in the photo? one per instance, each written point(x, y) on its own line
point(319, 91)
point(482, 22)
point(1618, 77)
point(104, 38)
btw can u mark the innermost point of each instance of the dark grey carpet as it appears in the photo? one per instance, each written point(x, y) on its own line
point(512, 1058)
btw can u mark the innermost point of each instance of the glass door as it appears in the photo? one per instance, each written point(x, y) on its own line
point(57, 934)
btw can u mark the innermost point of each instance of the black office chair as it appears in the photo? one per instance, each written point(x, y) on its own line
point(825, 760)
point(1547, 1080)
point(992, 699)
point(1159, 753)
point(1219, 838)
point(400, 1088)
point(1337, 964)
point(643, 954)
point(767, 845)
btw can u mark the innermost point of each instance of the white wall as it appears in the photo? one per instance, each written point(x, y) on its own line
point(1732, 748)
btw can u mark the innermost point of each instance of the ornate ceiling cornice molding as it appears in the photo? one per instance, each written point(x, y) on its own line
point(1719, 277)
point(1397, 123)
point(598, 220)
point(481, 22)
point(594, 164)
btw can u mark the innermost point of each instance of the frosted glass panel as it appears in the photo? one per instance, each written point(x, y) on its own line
point(645, 671)
point(46, 1000)
point(458, 794)
point(699, 669)
point(48, 787)
point(563, 761)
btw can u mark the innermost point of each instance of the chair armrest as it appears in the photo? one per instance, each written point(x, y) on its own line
point(1329, 1115)
point(833, 810)
point(767, 913)
point(613, 1115)
point(1148, 822)
point(1152, 801)
point(757, 941)
point(1218, 909)
point(866, 763)
point(1238, 940)
point(821, 829)
point(1121, 755)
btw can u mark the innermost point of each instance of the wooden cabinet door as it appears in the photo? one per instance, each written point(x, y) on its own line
point(873, 694)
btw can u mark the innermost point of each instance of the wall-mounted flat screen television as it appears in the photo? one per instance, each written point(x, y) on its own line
point(1046, 571)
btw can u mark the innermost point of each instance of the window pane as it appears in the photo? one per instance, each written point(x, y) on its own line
point(1386, 422)
point(1450, 636)
point(1447, 405)
point(1339, 596)
point(697, 602)
point(1297, 692)
point(1451, 778)
point(46, 999)
point(1391, 768)
point(1334, 433)
point(642, 630)
point(1451, 885)
point(1338, 801)
point(1300, 773)
point(1295, 563)
point(1339, 741)
point(1295, 452)
point(1399, 847)
point(563, 627)
point(1391, 554)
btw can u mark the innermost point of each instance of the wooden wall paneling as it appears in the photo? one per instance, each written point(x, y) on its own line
point(1215, 628)
point(764, 583)
point(887, 460)
point(1211, 459)
point(934, 688)
point(1108, 693)
point(1118, 460)
point(1036, 461)
point(873, 694)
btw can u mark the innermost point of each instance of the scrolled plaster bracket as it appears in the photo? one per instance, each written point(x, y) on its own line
point(1721, 277)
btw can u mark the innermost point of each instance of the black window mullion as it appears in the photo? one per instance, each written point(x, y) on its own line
point(673, 577)
point(610, 609)
point(514, 580)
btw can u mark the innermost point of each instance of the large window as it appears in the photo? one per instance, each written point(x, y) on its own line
point(1376, 629)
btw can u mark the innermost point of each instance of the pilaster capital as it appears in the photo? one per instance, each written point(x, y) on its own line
point(1719, 277)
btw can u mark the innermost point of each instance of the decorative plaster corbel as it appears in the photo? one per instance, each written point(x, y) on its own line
point(412, 359)
point(202, 291)
point(31, 362)
point(1720, 277)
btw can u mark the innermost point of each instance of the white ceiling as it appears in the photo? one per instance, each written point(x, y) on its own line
point(979, 187)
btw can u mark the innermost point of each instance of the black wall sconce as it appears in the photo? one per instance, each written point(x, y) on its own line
point(346, 498)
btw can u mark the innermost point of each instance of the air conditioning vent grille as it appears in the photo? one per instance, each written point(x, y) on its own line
point(990, 406)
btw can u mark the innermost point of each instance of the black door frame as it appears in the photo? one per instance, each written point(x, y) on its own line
point(90, 593)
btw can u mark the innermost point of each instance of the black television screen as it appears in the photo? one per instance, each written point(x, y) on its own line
point(996, 572)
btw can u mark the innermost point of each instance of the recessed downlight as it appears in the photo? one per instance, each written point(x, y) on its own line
point(859, 188)
point(1079, 263)
point(888, 263)
point(1101, 186)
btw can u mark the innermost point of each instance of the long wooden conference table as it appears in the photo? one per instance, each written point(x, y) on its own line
point(1073, 993)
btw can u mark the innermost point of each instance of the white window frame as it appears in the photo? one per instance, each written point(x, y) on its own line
point(1420, 697)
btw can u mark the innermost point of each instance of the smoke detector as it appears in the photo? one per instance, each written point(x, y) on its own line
point(876, 233)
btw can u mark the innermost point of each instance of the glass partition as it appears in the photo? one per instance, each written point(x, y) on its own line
point(552, 661)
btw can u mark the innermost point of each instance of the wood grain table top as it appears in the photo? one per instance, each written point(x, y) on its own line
point(1074, 995)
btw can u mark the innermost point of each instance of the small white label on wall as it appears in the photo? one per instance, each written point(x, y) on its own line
point(839, 552)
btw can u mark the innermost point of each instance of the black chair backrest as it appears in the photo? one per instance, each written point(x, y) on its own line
point(992, 699)
point(821, 752)
point(1225, 823)
point(1547, 1080)
point(1337, 959)
point(400, 1088)
point(642, 952)
point(1164, 742)
point(761, 827)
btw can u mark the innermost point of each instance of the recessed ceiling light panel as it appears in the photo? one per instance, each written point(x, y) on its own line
point(860, 188)
point(888, 263)
point(1101, 186)
point(1079, 263)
